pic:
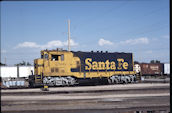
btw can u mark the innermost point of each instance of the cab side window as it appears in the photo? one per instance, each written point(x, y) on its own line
point(55, 57)
point(62, 57)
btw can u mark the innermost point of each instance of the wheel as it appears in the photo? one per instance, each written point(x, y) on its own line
point(115, 81)
point(109, 81)
point(126, 81)
point(31, 85)
point(64, 83)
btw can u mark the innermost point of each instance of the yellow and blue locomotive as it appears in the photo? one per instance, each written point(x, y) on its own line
point(61, 67)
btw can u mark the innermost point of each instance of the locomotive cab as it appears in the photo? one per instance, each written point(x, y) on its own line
point(54, 68)
point(53, 63)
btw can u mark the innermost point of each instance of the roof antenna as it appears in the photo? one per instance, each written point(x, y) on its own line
point(68, 35)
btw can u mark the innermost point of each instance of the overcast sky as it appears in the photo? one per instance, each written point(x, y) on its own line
point(137, 26)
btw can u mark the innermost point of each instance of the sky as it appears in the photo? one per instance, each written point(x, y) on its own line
point(140, 27)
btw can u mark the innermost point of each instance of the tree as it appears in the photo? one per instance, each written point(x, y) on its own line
point(136, 62)
point(28, 64)
point(23, 63)
point(152, 61)
point(1, 64)
point(155, 61)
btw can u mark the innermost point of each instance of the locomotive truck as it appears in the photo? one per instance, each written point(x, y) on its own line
point(60, 68)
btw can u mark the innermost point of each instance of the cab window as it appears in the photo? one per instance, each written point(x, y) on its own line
point(46, 56)
point(55, 57)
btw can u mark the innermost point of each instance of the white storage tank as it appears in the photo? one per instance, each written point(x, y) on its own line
point(25, 71)
point(9, 75)
point(166, 68)
point(8, 71)
point(11, 71)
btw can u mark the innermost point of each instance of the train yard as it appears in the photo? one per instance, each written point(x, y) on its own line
point(121, 98)
point(81, 82)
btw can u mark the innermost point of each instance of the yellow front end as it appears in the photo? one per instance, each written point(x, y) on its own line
point(38, 66)
point(55, 63)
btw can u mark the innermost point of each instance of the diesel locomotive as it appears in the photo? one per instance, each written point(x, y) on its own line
point(60, 68)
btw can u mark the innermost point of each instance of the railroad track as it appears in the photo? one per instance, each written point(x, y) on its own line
point(165, 80)
point(94, 99)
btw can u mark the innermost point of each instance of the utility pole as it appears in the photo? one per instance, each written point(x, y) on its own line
point(5, 61)
point(68, 35)
point(18, 72)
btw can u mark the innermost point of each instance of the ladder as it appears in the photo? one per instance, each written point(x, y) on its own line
point(138, 77)
point(38, 79)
